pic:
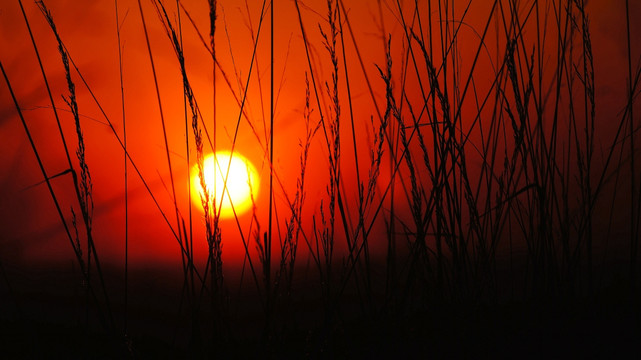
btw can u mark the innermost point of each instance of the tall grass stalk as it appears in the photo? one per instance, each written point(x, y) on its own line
point(125, 175)
point(82, 187)
point(635, 215)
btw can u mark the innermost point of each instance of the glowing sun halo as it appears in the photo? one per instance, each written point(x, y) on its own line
point(242, 183)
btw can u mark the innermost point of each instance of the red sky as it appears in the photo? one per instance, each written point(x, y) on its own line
point(31, 230)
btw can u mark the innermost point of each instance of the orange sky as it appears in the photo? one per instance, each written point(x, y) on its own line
point(31, 228)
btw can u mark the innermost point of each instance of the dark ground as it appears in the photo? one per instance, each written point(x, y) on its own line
point(44, 316)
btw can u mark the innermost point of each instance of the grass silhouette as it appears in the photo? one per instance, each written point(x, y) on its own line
point(471, 206)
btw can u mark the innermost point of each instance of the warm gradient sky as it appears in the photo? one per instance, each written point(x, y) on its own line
point(31, 230)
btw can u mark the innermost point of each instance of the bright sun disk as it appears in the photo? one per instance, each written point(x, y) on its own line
point(242, 183)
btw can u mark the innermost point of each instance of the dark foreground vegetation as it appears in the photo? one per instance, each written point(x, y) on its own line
point(490, 207)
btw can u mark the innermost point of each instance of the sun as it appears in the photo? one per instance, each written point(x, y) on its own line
point(242, 183)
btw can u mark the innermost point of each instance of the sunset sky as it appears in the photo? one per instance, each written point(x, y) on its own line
point(31, 229)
